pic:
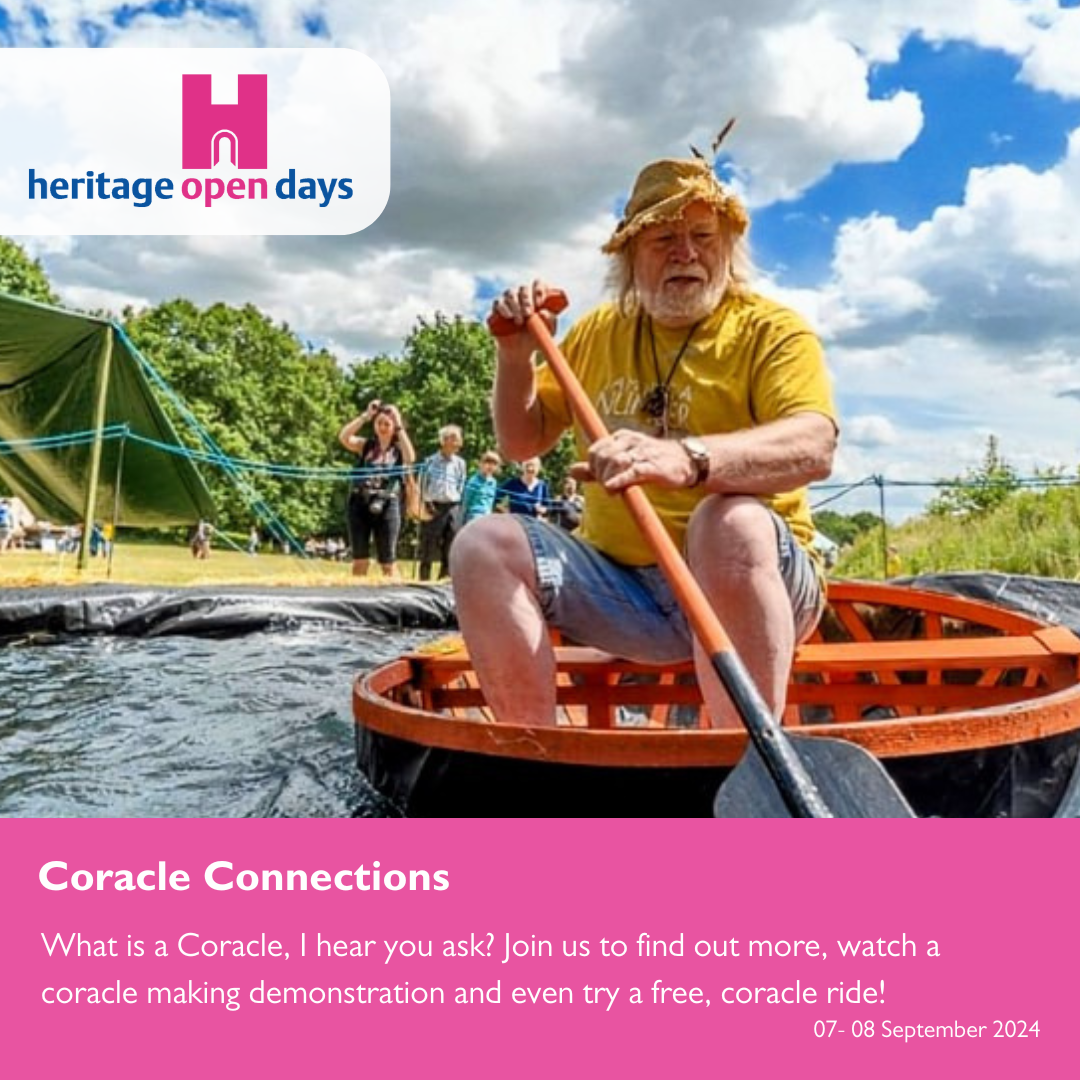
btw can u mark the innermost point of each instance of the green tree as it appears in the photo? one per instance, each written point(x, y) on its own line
point(22, 276)
point(845, 528)
point(443, 376)
point(262, 396)
point(978, 490)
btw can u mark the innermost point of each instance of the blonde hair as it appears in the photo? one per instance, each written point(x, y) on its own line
point(740, 269)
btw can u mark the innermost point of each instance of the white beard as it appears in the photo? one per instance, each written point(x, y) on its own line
point(684, 305)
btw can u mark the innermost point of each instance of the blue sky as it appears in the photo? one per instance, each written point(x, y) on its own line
point(976, 112)
point(908, 166)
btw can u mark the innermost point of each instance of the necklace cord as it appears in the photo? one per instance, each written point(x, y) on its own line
point(678, 356)
point(655, 403)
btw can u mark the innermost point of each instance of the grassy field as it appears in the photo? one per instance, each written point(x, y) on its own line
point(172, 565)
point(1031, 533)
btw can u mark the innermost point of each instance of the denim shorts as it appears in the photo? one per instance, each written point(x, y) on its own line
point(630, 611)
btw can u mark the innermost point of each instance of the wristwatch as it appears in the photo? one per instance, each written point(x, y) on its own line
point(698, 453)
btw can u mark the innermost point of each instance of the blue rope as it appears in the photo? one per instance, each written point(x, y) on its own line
point(292, 472)
point(216, 455)
point(53, 442)
point(334, 474)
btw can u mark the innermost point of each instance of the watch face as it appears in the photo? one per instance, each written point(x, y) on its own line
point(698, 453)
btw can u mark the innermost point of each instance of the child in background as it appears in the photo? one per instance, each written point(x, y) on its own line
point(481, 488)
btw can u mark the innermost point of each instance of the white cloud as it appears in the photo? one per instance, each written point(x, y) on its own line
point(1053, 61)
point(936, 400)
point(870, 431)
point(1001, 269)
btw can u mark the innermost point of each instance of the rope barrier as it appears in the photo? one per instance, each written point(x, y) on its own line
point(333, 474)
point(847, 489)
point(358, 473)
point(286, 472)
point(52, 442)
point(276, 525)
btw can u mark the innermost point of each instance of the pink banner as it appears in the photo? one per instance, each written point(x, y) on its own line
point(536, 948)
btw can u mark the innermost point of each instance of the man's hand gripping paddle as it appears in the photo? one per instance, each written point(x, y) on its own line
point(780, 775)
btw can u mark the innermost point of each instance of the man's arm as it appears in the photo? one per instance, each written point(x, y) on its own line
point(779, 456)
point(522, 427)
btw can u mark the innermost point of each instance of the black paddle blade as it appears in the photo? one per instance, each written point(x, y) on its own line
point(851, 781)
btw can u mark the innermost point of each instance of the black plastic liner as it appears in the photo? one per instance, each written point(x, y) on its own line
point(1036, 779)
point(148, 612)
point(222, 612)
point(1054, 600)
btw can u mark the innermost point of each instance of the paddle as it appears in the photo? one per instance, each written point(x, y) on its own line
point(779, 776)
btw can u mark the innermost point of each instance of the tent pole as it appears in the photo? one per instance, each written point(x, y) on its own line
point(116, 499)
point(94, 471)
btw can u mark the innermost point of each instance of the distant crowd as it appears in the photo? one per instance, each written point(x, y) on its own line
point(438, 492)
point(19, 531)
point(389, 485)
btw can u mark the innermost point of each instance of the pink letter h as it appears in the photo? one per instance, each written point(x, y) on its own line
point(246, 121)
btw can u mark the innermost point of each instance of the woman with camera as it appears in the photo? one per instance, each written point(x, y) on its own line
point(375, 502)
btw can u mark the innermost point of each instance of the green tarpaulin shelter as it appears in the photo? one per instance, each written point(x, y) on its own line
point(62, 374)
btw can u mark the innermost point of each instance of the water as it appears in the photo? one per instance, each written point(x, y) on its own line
point(252, 726)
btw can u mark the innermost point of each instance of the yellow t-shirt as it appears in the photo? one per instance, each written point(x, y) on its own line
point(752, 361)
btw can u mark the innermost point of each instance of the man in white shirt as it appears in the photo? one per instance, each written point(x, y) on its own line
point(441, 489)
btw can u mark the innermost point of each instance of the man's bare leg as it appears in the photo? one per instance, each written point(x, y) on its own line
point(733, 554)
point(495, 591)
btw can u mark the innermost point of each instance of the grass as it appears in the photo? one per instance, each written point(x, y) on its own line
point(1031, 533)
point(172, 565)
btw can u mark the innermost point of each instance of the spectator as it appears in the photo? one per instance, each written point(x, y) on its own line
point(6, 525)
point(567, 509)
point(527, 494)
point(441, 488)
point(481, 488)
point(894, 563)
point(253, 541)
point(375, 501)
point(200, 540)
point(97, 540)
point(68, 544)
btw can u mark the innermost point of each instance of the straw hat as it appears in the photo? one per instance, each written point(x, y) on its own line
point(665, 188)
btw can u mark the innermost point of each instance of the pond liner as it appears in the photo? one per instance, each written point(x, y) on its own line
point(225, 611)
point(1055, 600)
point(136, 611)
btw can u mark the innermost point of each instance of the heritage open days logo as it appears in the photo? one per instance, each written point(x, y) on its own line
point(301, 146)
